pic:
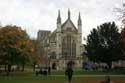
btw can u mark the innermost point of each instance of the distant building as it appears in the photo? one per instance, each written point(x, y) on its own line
point(62, 45)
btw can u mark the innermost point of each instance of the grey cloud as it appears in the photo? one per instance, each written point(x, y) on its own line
point(41, 14)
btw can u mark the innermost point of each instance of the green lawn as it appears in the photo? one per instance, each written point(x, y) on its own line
point(29, 77)
point(53, 79)
point(94, 72)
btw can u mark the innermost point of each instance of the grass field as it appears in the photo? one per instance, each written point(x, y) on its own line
point(59, 77)
point(94, 72)
point(56, 79)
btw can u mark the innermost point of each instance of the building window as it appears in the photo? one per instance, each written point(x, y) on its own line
point(69, 29)
point(69, 45)
point(73, 49)
point(53, 55)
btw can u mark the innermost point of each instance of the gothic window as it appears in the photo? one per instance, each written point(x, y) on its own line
point(69, 29)
point(73, 49)
point(69, 45)
point(63, 47)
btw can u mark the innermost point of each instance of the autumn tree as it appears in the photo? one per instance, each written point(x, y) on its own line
point(15, 46)
point(36, 57)
point(103, 44)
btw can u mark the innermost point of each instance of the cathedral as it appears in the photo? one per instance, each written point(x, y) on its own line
point(63, 45)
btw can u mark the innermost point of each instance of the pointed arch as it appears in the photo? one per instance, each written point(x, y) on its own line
point(68, 47)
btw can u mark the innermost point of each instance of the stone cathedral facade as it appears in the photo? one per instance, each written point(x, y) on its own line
point(62, 45)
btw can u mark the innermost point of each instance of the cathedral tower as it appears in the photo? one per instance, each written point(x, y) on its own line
point(79, 36)
point(58, 36)
point(59, 22)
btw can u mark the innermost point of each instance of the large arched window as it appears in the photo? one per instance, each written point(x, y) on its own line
point(68, 47)
point(64, 48)
point(73, 49)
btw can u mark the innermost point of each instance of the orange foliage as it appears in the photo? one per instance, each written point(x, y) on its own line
point(14, 38)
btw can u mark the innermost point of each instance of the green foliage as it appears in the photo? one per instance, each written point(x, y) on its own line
point(103, 44)
point(15, 45)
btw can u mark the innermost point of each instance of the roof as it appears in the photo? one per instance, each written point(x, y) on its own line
point(68, 23)
point(43, 35)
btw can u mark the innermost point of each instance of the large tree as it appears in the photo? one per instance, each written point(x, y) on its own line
point(15, 46)
point(122, 38)
point(103, 44)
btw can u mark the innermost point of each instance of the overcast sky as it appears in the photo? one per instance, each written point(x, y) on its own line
point(34, 15)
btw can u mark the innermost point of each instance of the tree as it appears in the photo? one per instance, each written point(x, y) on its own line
point(103, 44)
point(15, 46)
point(37, 57)
point(122, 38)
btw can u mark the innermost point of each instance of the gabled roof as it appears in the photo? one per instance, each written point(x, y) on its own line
point(65, 24)
point(43, 34)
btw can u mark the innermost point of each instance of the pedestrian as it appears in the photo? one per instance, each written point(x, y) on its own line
point(69, 73)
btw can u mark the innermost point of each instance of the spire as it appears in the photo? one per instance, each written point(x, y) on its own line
point(58, 18)
point(79, 19)
point(68, 13)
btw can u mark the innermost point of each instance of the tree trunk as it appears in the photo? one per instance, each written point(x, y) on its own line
point(23, 67)
point(8, 70)
point(5, 68)
point(34, 67)
point(109, 65)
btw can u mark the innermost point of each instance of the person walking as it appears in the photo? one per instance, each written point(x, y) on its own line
point(69, 73)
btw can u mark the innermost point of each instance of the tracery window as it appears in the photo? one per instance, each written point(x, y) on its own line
point(68, 47)
point(73, 49)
